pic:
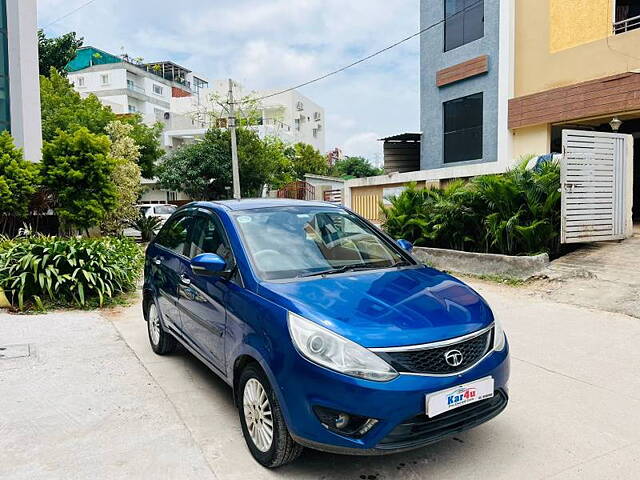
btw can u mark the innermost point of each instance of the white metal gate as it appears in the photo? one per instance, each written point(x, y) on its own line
point(597, 186)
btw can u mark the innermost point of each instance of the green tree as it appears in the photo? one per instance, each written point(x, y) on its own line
point(306, 159)
point(148, 139)
point(57, 52)
point(358, 167)
point(203, 170)
point(280, 155)
point(125, 177)
point(78, 168)
point(18, 178)
point(63, 108)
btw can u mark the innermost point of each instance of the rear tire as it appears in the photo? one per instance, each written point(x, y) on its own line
point(161, 342)
point(263, 425)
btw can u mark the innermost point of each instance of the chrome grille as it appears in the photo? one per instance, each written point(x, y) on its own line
point(432, 359)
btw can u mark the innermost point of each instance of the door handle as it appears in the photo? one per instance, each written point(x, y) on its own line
point(184, 279)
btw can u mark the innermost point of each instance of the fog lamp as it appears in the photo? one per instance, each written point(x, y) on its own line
point(343, 423)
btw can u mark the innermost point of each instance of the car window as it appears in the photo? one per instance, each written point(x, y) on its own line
point(209, 237)
point(144, 210)
point(174, 234)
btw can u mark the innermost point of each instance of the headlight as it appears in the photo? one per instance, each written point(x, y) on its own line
point(325, 348)
point(498, 335)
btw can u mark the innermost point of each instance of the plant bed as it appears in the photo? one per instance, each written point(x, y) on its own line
point(483, 264)
point(52, 272)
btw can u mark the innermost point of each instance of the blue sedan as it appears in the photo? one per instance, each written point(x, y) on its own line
point(331, 334)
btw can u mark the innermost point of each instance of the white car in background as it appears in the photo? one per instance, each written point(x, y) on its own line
point(161, 211)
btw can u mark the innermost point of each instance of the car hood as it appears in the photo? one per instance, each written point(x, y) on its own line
point(386, 308)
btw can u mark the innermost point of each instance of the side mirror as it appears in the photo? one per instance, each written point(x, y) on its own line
point(208, 264)
point(406, 245)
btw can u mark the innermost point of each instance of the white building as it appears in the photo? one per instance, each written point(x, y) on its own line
point(128, 85)
point(290, 116)
point(19, 79)
point(131, 86)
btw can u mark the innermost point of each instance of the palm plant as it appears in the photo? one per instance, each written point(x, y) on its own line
point(515, 213)
point(147, 226)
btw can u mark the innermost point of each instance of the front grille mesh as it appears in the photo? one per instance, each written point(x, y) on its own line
point(432, 360)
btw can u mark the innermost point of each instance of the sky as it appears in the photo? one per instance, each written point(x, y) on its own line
point(274, 44)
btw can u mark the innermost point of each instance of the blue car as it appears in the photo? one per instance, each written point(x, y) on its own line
point(331, 335)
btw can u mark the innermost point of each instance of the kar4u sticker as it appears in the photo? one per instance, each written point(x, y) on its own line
point(464, 395)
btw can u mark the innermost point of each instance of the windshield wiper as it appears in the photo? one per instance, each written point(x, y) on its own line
point(343, 269)
point(400, 263)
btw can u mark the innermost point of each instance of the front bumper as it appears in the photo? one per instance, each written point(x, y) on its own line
point(398, 405)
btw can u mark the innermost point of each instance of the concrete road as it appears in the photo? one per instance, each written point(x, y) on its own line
point(93, 401)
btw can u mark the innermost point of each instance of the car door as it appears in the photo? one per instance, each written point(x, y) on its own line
point(167, 262)
point(202, 299)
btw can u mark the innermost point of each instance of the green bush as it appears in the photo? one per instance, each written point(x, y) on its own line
point(68, 271)
point(516, 213)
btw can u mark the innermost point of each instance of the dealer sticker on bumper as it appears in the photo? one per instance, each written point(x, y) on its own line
point(451, 398)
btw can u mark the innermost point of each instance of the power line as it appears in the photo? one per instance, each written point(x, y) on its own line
point(86, 4)
point(368, 57)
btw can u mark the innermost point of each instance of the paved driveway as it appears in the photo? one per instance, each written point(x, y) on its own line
point(93, 401)
point(604, 275)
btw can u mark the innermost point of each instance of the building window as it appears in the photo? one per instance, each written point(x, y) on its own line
point(80, 82)
point(627, 16)
point(157, 89)
point(104, 79)
point(464, 22)
point(132, 109)
point(463, 129)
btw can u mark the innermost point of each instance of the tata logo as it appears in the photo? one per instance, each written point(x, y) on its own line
point(454, 358)
point(462, 395)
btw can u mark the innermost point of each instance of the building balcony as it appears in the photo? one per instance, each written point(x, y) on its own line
point(135, 88)
point(626, 25)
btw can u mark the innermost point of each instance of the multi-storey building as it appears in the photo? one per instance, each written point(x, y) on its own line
point(503, 78)
point(577, 66)
point(290, 116)
point(129, 85)
point(19, 81)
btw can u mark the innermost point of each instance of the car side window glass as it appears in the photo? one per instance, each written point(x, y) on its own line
point(175, 233)
point(209, 237)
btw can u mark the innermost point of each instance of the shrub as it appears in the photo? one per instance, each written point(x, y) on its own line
point(515, 213)
point(68, 271)
point(78, 168)
point(18, 179)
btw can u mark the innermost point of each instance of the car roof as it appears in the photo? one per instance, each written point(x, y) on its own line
point(256, 203)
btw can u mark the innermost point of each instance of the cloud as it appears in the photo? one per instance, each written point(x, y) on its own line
point(364, 144)
point(275, 44)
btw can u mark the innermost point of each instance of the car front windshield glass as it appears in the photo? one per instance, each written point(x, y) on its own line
point(290, 242)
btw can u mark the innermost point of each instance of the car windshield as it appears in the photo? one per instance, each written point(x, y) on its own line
point(164, 210)
point(290, 242)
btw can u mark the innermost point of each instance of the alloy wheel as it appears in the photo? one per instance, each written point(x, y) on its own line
point(258, 415)
point(154, 325)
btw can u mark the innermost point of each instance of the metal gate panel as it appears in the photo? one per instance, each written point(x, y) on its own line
point(596, 172)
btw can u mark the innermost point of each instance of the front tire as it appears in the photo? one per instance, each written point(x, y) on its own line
point(161, 342)
point(263, 425)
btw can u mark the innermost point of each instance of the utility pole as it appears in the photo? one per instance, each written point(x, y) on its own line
point(231, 123)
